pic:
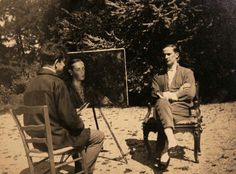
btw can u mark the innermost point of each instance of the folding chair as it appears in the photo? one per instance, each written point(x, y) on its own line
point(50, 154)
point(192, 124)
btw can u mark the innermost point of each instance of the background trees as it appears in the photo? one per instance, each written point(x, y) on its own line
point(203, 29)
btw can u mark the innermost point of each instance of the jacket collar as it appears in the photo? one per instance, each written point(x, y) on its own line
point(47, 71)
point(48, 68)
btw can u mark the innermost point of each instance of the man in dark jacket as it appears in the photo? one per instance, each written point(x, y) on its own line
point(67, 127)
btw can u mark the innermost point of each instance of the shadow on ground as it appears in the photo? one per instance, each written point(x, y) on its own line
point(139, 153)
point(43, 168)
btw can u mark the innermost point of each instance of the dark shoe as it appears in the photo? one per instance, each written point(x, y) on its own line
point(175, 152)
point(161, 166)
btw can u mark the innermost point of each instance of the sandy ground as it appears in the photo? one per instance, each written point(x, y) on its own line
point(218, 144)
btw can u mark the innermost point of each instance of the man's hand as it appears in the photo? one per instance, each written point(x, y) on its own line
point(185, 86)
point(106, 101)
point(170, 96)
point(159, 95)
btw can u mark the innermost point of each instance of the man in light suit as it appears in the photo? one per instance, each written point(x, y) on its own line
point(174, 90)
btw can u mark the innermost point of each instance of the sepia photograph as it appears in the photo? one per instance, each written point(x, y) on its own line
point(117, 86)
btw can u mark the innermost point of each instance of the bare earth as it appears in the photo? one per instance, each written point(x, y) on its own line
point(218, 144)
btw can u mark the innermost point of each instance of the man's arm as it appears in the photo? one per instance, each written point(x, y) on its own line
point(67, 112)
point(156, 92)
point(188, 89)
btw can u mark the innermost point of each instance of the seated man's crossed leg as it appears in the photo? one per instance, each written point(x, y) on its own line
point(169, 113)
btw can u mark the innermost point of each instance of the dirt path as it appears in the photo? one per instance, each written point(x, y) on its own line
point(218, 143)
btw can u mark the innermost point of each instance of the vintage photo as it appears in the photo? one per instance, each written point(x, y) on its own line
point(117, 86)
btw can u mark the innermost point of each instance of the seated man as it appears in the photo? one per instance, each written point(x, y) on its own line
point(67, 127)
point(174, 90)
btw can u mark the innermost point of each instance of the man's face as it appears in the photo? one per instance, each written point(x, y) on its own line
point(60, 66)
point(171, 57)
point(78, 71)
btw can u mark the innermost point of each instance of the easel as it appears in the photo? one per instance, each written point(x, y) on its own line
point(109, 127)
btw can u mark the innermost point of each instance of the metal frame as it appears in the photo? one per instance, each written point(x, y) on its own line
point(107, 50)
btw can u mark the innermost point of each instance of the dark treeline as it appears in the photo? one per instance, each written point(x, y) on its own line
point(204, 30)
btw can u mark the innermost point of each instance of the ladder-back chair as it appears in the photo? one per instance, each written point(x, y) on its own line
point(50, 154)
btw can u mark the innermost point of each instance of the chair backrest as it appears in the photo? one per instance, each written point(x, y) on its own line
point(196, 100)
point(33, 111)
point(197, 91)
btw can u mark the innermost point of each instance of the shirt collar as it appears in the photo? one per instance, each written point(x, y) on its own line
point(173, 68)
point(50, 69)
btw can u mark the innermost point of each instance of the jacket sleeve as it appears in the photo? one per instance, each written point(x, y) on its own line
point(67, 112)
point(187, 93)
point(156, 88)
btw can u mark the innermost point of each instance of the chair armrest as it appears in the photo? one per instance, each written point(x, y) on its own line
point(197, 111)
point(196, 104)
point(148, 113)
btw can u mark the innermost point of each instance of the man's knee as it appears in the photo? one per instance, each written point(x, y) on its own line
point(164, 113)
point(101, 136)
point(162, 103)
point(97, 136)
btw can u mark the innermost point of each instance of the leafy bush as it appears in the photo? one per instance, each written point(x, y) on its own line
point(14, 80)
point(202, 29)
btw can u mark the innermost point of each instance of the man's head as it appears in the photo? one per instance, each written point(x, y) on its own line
point(76, 69)
point(171, 54)
point(53, 55)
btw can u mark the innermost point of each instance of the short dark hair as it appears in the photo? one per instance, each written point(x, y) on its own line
point(174, 46)
point(50, 52)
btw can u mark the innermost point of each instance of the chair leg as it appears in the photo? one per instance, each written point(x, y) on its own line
point(146, 142)
point(160, 144)
point(196, 145)
point(62, 158)
point(199, 145)
point(52, 165)
point(31, 164)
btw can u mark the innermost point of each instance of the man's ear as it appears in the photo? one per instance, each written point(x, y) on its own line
point(177, 54)
point(70, 72)
point(55, 63)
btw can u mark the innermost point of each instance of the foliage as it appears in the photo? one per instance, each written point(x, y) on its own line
point(203, 31)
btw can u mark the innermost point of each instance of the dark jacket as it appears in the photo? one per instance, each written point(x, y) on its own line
point(67, 127)
point(75, 97)
point(91, 96)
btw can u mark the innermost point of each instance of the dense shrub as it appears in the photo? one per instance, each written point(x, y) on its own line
point(204, 31)
point(13, 80)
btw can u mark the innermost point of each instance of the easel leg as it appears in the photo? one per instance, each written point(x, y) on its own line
point(113, 135)
point(95, 118)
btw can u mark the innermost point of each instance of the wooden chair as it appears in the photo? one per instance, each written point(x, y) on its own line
point(47, 140)
point(192, 124)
